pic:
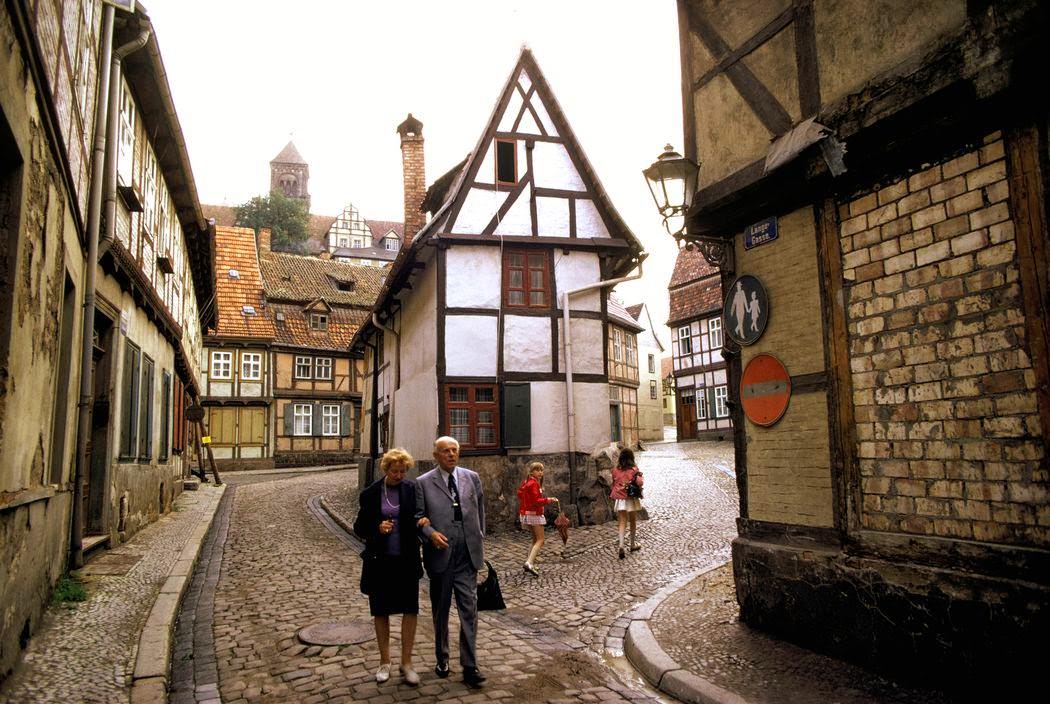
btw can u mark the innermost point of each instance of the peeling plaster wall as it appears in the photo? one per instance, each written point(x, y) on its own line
point(39, 246)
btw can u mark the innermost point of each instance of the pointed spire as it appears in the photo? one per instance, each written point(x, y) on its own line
point(289, 155)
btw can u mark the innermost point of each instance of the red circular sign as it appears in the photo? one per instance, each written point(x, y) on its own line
point(765, 389)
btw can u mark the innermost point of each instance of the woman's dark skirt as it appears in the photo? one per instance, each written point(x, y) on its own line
point(394, 586)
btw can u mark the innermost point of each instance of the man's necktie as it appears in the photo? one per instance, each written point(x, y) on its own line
point(457, 510)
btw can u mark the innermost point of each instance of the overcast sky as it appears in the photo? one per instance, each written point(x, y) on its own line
point(337, 77)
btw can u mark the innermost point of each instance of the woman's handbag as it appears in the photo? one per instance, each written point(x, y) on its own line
point(490, 597)
point(634, 490)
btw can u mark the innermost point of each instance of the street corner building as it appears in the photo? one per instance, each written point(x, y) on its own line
point(879, 170)
point(467, 337)
point(701, 389)
point(280, 386)
point(125, 329)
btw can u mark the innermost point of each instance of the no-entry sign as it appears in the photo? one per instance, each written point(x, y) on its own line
point(765, 389)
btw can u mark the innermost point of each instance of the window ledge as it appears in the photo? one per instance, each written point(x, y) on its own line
point(9, 501)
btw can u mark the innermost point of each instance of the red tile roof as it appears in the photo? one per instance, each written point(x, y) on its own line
point(380, 228)
point(295, 329)
point(666, 367)
point(294, 277)
point(690, 266)
point(635, 310)
point(235, 250)
point(695, 300)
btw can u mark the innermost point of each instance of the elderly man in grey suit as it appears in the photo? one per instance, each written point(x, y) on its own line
point(451, 497)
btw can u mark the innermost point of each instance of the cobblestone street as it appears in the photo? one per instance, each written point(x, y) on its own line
point(559, 640)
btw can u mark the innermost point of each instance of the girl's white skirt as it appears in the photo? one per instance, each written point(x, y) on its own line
point(529, 519)
point(627, 505)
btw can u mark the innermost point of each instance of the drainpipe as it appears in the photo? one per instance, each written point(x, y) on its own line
point(396, 370)
point(373, 425)
point(567, 349)
point(103, 159)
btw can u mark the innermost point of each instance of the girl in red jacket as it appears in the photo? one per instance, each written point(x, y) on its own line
point(624, 473)
point(530, 511)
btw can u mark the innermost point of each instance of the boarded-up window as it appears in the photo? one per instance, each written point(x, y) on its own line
point(222, 426)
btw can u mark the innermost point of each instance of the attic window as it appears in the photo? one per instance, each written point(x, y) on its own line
point(345, 285)
point(506, 162)
point(248, 310)
point(318, 321)
point(234, 274)
point(280, 318)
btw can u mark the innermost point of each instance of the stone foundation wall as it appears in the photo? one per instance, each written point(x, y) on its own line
point(140, 494)
point(311, 459)
point(950, 442)
point(950, 628)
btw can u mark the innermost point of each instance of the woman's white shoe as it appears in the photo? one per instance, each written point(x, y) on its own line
point(383, 673)
point(409, 675)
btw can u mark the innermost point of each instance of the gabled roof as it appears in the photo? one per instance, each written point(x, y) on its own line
point(690, 266)
point(637, 311)
point(289, 155)
point(402, 267)
point(294, 330)
point(235, 250)
point(694, 300)
point(379, 253)
point(622, 317)
point(302, 279)
point(536, 89)
point(666, 367)
point(381, 228)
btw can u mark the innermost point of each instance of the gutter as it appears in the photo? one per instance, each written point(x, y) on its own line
point(567, 353)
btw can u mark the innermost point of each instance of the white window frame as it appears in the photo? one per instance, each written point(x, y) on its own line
point(714, 330)
point(306, 363)
point(323, 363)
point(391, 244)
point(316, 319)
point(721, 398)
point(684, 334)
point(652, 364)
point(654, 392)
point(221, 360)
point(330, 413)
point(251, 362)
point(302, 412)
point(701, 404)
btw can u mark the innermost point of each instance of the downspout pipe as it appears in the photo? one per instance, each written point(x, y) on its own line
point(567, 354)
point(98, 156)
point(113, 135)
point(103, 161)
point(396, 371)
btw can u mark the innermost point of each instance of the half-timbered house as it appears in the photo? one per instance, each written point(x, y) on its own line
point(650, 382)
point(468, 337)
point(695, 319)
point(894, 509)
point(621, 350)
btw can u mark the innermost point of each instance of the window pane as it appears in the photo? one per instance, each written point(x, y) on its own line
point(486, 435)
point(516, 298)
point(461, 434)
point(517, 259)
point(516, 278)
point(459, 416)
point(484, 416)
point(484, 395)
point(536, 298)
point(457, 394)
point(535, 279)
point(535, 261)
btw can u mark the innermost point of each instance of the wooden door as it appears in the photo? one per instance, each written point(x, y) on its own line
point(686, 415)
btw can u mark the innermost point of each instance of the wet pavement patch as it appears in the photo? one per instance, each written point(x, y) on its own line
point(337, 633)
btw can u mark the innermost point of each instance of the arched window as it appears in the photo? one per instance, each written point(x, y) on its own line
point(289, 185)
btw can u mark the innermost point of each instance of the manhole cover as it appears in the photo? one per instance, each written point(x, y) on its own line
point(337, 633)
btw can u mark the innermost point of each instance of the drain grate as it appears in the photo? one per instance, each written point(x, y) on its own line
point(337, 633)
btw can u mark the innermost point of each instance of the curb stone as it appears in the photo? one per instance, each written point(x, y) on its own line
point(645, 653)
point(153, 656)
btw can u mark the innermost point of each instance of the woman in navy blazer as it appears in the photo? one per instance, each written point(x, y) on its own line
point(392, 567)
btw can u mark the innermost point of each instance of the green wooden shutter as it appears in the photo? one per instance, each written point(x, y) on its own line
point(317, 420)
point(346, 411)
point(289, 420)
point(517, 415)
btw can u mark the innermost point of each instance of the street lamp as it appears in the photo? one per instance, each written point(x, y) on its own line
point(672, 180)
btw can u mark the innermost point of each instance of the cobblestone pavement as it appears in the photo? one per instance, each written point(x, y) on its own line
point(699, 627)
point(85, 651)
point(558, 641)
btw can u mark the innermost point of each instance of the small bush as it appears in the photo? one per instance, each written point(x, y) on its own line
point(69, 588)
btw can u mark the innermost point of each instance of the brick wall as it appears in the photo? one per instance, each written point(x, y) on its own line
point(415, 186)
point(789, 464)
point(949, 440)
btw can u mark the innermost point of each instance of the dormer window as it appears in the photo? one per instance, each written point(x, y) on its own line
point(318, 321)
point(345, 285)
point(234, 274)
point(248, 310)
point(391, 243)
point(506, 162)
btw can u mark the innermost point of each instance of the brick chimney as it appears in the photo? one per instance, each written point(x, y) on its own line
point(263, 240)
point(411, 131)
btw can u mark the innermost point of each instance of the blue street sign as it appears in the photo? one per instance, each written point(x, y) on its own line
point(760, 233)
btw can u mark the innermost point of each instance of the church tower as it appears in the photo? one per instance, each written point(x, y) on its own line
point(290, 174)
